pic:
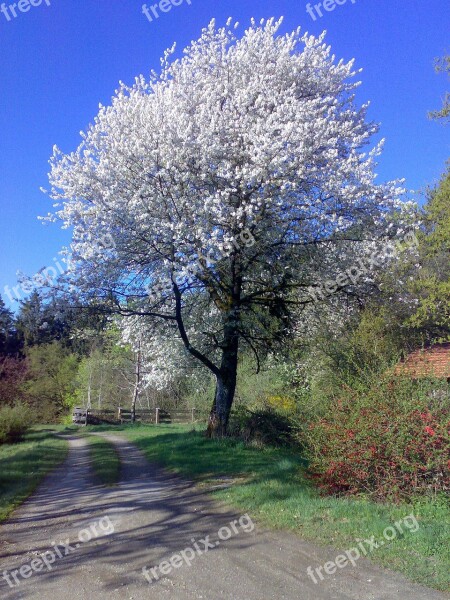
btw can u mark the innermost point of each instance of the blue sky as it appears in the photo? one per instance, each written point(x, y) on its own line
point(58, 62)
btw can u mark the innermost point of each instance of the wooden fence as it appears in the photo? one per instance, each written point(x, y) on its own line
point(157, 416)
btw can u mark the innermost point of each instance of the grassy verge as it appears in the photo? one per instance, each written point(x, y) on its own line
point(104, 460)
point(24, 465)
point(269, 483)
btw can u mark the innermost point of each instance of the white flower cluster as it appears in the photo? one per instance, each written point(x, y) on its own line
point(258, 134)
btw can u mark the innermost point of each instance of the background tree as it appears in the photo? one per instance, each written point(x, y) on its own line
point(431, 285)
point(231, 184)
point(13, 374)
point(50, 381)
point(105, 376)
point(9, 343)
point(41, 321)
point(442, 66)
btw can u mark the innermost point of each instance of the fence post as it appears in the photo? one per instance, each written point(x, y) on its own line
point(119, 415)
point(193, 417)
point(86, 418)
point(157, 417)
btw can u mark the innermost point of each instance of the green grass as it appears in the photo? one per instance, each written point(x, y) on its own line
point(24, 465)
point(104, 460)
point(270, 484)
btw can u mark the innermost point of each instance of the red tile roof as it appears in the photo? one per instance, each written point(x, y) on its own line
point(428, 362)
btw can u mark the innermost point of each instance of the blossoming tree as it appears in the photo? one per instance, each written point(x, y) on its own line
point(230, 183)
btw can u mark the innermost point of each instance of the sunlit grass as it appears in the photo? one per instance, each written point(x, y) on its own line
point(104, 460)
point(24, 465)
point(270, 484)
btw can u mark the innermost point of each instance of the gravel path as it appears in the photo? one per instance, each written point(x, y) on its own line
point(97, 540)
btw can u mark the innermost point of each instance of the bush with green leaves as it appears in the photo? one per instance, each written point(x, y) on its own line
point(390, 441)
point(50, 380)
point(14, 422)
point(265, 427)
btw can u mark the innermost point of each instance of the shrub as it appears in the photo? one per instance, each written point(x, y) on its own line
point(282, 404)
point(13, 373)
point(51, 374)
point(14, 422)
point(264, 426)
point(391, 441)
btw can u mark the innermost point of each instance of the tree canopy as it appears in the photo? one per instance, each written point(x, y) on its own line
point(231, 183)
point(443, 66)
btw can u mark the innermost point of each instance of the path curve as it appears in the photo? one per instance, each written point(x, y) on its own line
point(155, 516)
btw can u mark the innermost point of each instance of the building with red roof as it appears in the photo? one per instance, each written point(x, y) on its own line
point(427, 362)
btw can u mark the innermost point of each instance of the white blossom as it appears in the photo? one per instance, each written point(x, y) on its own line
point(259, 133)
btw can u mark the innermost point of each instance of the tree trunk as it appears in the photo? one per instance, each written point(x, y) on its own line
point(225, 389)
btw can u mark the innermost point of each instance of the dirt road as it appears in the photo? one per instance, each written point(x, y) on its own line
point(74, 539)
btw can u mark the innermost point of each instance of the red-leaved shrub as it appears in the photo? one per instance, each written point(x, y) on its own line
point(390, 442)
